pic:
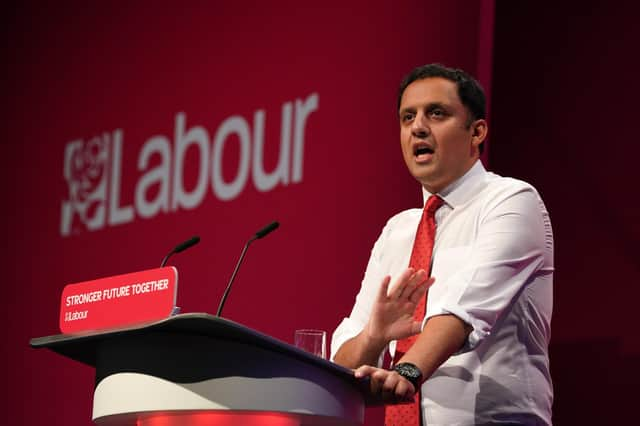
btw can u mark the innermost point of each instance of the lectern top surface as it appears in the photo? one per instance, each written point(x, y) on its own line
point(81, 346)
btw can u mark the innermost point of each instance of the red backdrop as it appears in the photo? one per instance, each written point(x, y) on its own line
point(565, 118)
point(127, 78)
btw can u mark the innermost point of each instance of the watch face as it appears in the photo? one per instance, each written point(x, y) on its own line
point(409, 372)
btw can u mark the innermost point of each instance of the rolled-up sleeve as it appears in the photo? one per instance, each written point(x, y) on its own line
point(352, 325)
point(481, 279)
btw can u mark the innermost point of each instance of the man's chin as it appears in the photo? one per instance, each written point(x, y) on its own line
point(423, 173)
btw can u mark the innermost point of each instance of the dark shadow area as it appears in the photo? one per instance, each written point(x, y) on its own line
point(594, 383)
point(563, 118)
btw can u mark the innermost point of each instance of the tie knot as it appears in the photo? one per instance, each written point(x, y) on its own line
point(433, 203)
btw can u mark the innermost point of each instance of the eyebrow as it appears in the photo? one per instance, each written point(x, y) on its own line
point(429, 107)
point(434, 105)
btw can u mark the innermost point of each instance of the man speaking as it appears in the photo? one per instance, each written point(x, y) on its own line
point(459, 292)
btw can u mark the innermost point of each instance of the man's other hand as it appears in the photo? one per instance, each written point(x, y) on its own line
point(387, 386)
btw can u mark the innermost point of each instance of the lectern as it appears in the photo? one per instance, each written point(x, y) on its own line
point(197, 369)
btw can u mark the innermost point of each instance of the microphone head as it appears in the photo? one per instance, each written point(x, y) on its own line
point(267, 229)
point(185, 245)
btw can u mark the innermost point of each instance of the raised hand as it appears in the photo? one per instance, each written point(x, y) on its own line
point(392, 313)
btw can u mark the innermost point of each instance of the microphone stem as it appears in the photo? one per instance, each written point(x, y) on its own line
point(164, 261)
point(233, 276)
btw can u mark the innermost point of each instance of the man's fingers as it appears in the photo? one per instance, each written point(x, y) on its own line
point(376, 376)
point(389, 385)
point(421, 289)
point(378, 380)
point(417, 278)
point(401, 283)
point(404, 391)
point(384, 288)
point(397, 389)
point(369, 371)
point(364, 371)
point(413, 281)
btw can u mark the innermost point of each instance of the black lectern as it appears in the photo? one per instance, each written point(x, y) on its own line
point(197, 369)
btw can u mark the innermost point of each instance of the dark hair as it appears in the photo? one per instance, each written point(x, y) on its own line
point(469, 90)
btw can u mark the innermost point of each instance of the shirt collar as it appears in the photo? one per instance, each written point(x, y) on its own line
point(462, 189)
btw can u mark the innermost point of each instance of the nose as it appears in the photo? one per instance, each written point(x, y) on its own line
point(419, 126)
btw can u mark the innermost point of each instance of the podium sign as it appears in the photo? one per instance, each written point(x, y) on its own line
point(118, 301)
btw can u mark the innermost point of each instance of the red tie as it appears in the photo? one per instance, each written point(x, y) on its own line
point(409, 414)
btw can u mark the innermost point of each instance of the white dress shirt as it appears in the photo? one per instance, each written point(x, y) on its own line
point(493, 266)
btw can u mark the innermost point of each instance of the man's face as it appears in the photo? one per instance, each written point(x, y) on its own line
point(438, 144)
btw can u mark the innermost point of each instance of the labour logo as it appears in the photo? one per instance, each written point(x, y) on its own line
point(93, 169)
point(86, 173)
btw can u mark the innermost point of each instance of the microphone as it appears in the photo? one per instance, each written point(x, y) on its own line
point(180, 247)
point(266, 230)
point(260, 234)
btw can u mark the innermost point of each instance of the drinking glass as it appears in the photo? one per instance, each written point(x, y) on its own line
point(312, 341)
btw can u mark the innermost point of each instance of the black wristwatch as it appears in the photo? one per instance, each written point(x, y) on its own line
point(409, 372)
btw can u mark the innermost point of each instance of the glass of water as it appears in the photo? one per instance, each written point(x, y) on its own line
point(312, 341)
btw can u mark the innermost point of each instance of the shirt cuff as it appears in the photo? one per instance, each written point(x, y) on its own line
point(348, 329)
point(345, 331)
point(480, 329)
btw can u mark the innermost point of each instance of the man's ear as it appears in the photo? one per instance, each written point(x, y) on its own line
point(479, 131)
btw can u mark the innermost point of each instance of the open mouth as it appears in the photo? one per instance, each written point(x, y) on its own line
point(422, 152)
